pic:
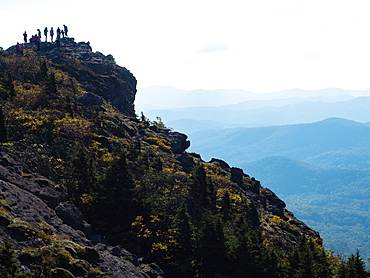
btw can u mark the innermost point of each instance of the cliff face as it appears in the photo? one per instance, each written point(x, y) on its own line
point(96, 73)
point(78, 170)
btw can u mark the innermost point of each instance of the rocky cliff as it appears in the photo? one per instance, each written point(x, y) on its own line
point(81, 176)
point(96, 73)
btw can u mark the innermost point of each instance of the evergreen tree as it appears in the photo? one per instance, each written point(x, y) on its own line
point(182, 249)
point(3, 129)
point(226, 207)
point(249, 256)
point(308, 260)
point(83, 173)
point(211, 252)
point(43, 73)
point(8, 263)
point(116, 204)
point(202, 194)
point(7, 90)
point(118, 183)
point(355, 266)
point(50, 84)
point(199, 184)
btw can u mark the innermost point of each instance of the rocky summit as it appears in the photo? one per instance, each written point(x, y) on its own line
point(96, 73)
point(88, 189)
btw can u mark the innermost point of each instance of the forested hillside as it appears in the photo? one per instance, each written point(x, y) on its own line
point(89, 189)
point(320, 169)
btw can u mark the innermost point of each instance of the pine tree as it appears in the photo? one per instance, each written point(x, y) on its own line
point(116, 204)
point(3, 129)
point(182, 249)
point(8, 263)
point(118, 183)
point(7, 90)
point(308, 260)
point(43, 73)
point(83, 173)
point(211, 252)
point(355, 266)
point(226, 207)
point(202, 195)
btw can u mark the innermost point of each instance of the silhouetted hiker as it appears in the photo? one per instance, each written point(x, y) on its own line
point(51, 33)
point(35, 40)
point(18, 49)
point(65, 30)
point(25, 37)
point(58, 37)
point(39, 33)
point(46, 33)
point(62, 33)
point(38, 41)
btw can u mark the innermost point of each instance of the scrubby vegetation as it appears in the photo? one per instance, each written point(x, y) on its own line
point(196, 221)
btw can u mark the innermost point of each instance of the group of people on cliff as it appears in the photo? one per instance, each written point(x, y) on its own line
point(36, 39)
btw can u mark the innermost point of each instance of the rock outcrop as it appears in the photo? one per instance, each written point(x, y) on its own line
point(97, 73)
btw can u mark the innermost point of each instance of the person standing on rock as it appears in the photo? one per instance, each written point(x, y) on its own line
point(66, 30)
point(18, 48)
point(25, 37)
point(39, 33)
point(46, 34)
point(38, 42)
point(51, 34)
point(58, 37)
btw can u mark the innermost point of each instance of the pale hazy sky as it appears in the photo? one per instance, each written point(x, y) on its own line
point(258, 46)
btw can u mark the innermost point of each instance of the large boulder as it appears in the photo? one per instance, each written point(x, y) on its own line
point(70, 214)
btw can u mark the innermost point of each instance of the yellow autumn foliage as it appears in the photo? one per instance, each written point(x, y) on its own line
point(72, 127)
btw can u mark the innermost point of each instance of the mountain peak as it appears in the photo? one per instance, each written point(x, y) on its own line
point(97, 73)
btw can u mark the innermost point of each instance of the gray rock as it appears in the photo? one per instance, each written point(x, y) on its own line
point(179, 142)
point(115, 267)
point(51, 196)
point(121, 252)
point(185, 159)
point(237, 176)
point(220, 163)
point(70, 214)
point(90, 99)
point(152, 270)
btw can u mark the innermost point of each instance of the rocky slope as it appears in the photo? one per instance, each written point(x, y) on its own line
point(66, 114)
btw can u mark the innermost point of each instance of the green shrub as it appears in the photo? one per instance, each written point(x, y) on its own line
point(80, 267)
point(61, 273)
point(22, 228)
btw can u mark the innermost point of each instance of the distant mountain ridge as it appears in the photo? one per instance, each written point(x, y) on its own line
point(257, 113)
point(152, 97)
point(316, 143)
point(334, 201)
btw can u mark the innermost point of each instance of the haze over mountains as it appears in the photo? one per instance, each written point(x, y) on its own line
point(311, 147)
point(190, 111)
